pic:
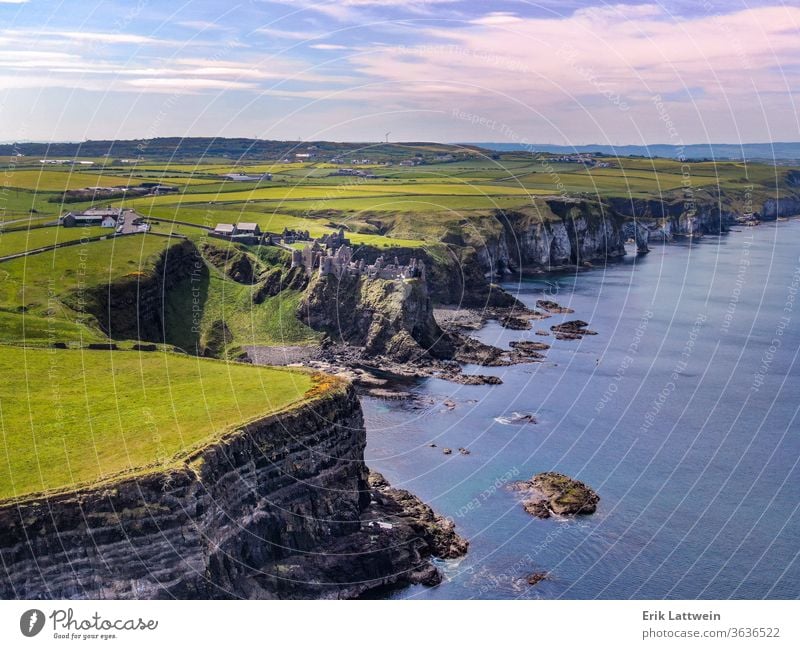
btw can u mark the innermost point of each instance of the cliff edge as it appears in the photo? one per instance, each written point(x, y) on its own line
point(280, 508)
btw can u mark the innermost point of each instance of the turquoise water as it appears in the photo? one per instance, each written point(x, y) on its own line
point(682, 413)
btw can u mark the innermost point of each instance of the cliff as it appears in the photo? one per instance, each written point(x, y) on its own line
point(382, 317)
point(703, 211)
point(281, 508)
point(553, 234)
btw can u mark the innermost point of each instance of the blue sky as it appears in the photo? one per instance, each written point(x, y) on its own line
point(561, 72)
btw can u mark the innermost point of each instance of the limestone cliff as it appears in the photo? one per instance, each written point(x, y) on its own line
point(773, 208)
point(677, 216)
point(281, 508)
point(553, 234)
point(705, 210)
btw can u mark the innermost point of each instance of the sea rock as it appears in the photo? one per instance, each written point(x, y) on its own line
point(519, 418)
point(473, 379)
point(535, 577)
point(528, 346)
point(512, 322)
point(553, 307)
point(559, 494)
point(389, 395)
point(538, 508)
point(572, 330)
point(474, 352)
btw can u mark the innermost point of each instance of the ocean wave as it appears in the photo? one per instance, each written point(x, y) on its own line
point(516, 419)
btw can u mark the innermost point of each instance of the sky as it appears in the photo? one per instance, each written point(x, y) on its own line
point(552, 71)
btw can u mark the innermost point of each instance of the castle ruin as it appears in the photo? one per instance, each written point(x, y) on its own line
point(338, 261)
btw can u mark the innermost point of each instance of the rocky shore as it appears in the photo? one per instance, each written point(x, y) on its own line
point(397, 537)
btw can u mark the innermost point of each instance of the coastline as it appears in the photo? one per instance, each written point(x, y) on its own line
point(610, 447)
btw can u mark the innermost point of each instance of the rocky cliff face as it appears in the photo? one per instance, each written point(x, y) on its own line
point(704, 214)
point(773, 208)
point(559, 233)
point(383, 317)
point(281, 509)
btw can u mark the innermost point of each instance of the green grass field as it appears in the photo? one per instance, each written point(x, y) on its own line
point(75, 417)
point(22, 240)
point(47, 179)
point(41, 292)
point(406, 206)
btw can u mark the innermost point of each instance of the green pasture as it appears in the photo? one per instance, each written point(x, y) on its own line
point(42, 290)
point(78, 417)
point(22, 240)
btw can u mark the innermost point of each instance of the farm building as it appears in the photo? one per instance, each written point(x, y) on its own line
point(248, 229)
point(242, 177)
point(225, 229)
point(105, 217)
point(248, 233)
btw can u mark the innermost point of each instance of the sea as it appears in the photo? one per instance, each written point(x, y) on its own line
point(681, 413)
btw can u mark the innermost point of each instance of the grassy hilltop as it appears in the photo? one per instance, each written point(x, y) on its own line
point(71, 417)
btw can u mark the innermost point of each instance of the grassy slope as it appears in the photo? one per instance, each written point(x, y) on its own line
point(273, 322)
point(22, 240)
point(72, 417)
point(32, 289)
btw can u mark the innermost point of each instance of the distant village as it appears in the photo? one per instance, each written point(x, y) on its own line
point(580, 158)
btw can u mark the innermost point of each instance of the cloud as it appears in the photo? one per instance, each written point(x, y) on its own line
point(188, 84)
point(13, 2)
point(644, 50)
point(288, 34)
point(201, 25)
point(83, 37)
point(328, 46)
point(580, 68)
point(497, 18)
point(351, 10)
point(394, 3)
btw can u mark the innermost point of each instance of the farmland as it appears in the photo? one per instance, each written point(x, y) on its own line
point(71, 415)
point(407, 196)
point(311, 195)
point(76, 417)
